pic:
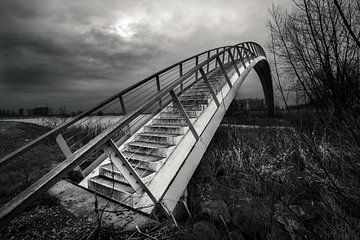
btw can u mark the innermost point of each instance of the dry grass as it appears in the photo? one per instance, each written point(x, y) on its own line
point(279, 184)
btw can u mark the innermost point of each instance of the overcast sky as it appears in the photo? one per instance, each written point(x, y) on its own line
point(76, 53)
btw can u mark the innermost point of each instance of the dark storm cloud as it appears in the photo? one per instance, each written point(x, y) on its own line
point(81, 51)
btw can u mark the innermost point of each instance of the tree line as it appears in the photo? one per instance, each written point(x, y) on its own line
point(316, 58)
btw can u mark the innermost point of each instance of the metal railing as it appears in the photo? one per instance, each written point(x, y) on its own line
point(135, 104)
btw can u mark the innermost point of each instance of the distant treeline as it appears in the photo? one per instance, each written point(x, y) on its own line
point(38, 111)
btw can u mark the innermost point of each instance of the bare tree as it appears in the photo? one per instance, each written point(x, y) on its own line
point(319, 55)
point(346, 22)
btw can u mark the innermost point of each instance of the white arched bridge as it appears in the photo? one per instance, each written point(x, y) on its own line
point(145, 159)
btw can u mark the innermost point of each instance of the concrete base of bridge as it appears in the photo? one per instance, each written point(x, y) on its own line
point(81, 203)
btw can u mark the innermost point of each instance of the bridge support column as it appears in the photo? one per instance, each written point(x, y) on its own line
point(263, 71)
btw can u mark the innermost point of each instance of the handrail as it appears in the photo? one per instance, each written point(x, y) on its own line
point(98, 142)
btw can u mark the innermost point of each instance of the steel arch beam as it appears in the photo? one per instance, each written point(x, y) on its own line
point(263, 70)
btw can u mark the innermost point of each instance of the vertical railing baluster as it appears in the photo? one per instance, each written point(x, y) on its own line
point(212, 92)
point(233, 62)
point(250, 50)
point(254, 49)
point(122, 104)
point(217, 51)
point(246, 51)
point(158, 88)
point(224, 71)
point(196, 63)
point(208, 64)
point(184, 114)
point(223, 56)
point(181, 73)
point(240, 56)
point(67, 152)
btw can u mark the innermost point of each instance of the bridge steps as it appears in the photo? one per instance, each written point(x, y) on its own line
point(151, 146)
point(116, 190)
point(149, 162)
point(110, 171)
point(191, 114)
point(188, 108)
point(161, 138)
point(152, 149)
point(172, 121)
point(166, 129)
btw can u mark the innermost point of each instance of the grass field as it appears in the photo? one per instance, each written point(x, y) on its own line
point(26, 169)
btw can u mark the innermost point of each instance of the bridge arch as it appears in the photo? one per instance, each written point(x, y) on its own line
point(167, 121)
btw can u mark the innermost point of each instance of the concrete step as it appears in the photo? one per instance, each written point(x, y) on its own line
point(187, 108)
point(194, 90)
point(111, 172)
point(138, 160)
point(154, 149)
point(171, 121)
point(197, 96)
point(171, 139)
point(214, 84)
point(195, 101)
point(198, 88)
point(212, 81)
point(191, 114)
point(168, 129)
point(115, 190)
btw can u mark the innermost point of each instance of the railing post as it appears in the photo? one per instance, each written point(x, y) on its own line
point(256, 50)
point(67, 152)
point(181, 73)
point(223, 56)
point(241, 57)
point(123, 165)
point(122, 105)
point(224, 71)
point(233, 61)
point(253, 49)
point(208, 64)
point(196, 63)
point(246, 51)
point(217, 51)
point(249, 48)
point(158, 88)
point(183, 112)
point(213, 94)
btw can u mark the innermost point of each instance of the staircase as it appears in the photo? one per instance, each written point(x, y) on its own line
point(146, 158)
point(151, 146)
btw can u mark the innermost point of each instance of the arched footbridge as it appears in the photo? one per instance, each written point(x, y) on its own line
point(164, 124)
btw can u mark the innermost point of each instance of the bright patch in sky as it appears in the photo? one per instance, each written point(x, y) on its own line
point(124, 27)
